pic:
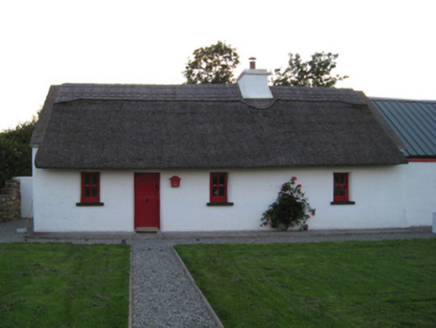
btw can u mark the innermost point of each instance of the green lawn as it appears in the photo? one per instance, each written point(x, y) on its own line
point(335, 284)
point(64, 285)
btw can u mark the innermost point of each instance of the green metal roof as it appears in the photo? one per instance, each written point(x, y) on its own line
point(414, 121)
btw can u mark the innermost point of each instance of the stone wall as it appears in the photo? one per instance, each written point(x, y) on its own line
point(10, 201)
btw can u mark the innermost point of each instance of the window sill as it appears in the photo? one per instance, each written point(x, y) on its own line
point(89, 204)
point(342, 202)
point(220, 204)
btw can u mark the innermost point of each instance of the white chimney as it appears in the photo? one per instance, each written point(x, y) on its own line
point(253, 82)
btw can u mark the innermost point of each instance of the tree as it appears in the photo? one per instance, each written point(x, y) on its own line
point(15, 152)
point(213, 64)
point(314, 73)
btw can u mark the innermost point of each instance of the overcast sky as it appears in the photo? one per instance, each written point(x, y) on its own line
point(386, 47)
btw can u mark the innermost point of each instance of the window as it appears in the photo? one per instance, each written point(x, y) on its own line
point(341, 189)
point(90, 194)
point(218, 189)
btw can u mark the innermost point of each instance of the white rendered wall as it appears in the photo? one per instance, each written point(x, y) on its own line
point(56, 193)
point(380, 203)
point(420, 188)
point(385, 197)
point(26, 191)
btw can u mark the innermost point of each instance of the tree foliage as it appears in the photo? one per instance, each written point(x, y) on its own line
point(15, 152)
point(213, 64)
point(313, 73)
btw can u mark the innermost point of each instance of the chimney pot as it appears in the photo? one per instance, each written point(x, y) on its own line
point(252, 62)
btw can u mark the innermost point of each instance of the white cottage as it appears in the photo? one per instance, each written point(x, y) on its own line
point(211, 157)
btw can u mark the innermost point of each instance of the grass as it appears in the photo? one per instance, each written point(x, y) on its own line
point(64, 285)
point(335, 284)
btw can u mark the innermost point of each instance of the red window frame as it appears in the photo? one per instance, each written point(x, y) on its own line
point(90, 187)
point(218, 187)
point(340, 187)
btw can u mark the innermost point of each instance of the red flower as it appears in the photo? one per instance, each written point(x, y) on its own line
point(308, 217)
point(284, 185)
point(294, 178)
point(299, 186)
point(270, 223)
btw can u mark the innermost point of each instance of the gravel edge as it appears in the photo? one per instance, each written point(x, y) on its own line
point(130, 290)
point(197, 289)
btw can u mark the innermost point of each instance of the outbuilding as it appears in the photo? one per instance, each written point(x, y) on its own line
point(414, 122)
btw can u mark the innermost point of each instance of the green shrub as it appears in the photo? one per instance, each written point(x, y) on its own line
point(15, 152)
point(290, 209)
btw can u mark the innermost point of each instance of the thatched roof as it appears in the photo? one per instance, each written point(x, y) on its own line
point(89, 126)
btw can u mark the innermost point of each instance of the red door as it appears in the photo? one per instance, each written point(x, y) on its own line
point(147, 202)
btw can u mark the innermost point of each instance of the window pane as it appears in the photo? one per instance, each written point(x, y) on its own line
point(94, 179)
point(342, 179)
point(214, 179)
point(87, 180)
point(221, 190)
point(87, 192)
point(335, 190)
point(94, 191)
point(336, 179)
point(222, 179)
point(214, 191)
point(341, 191)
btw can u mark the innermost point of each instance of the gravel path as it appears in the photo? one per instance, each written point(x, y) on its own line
point(163, 296)
point(162, 292)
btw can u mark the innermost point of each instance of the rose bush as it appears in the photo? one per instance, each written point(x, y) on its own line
point(290, 209)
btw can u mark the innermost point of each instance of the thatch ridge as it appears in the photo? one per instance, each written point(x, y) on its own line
point(192, 92)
